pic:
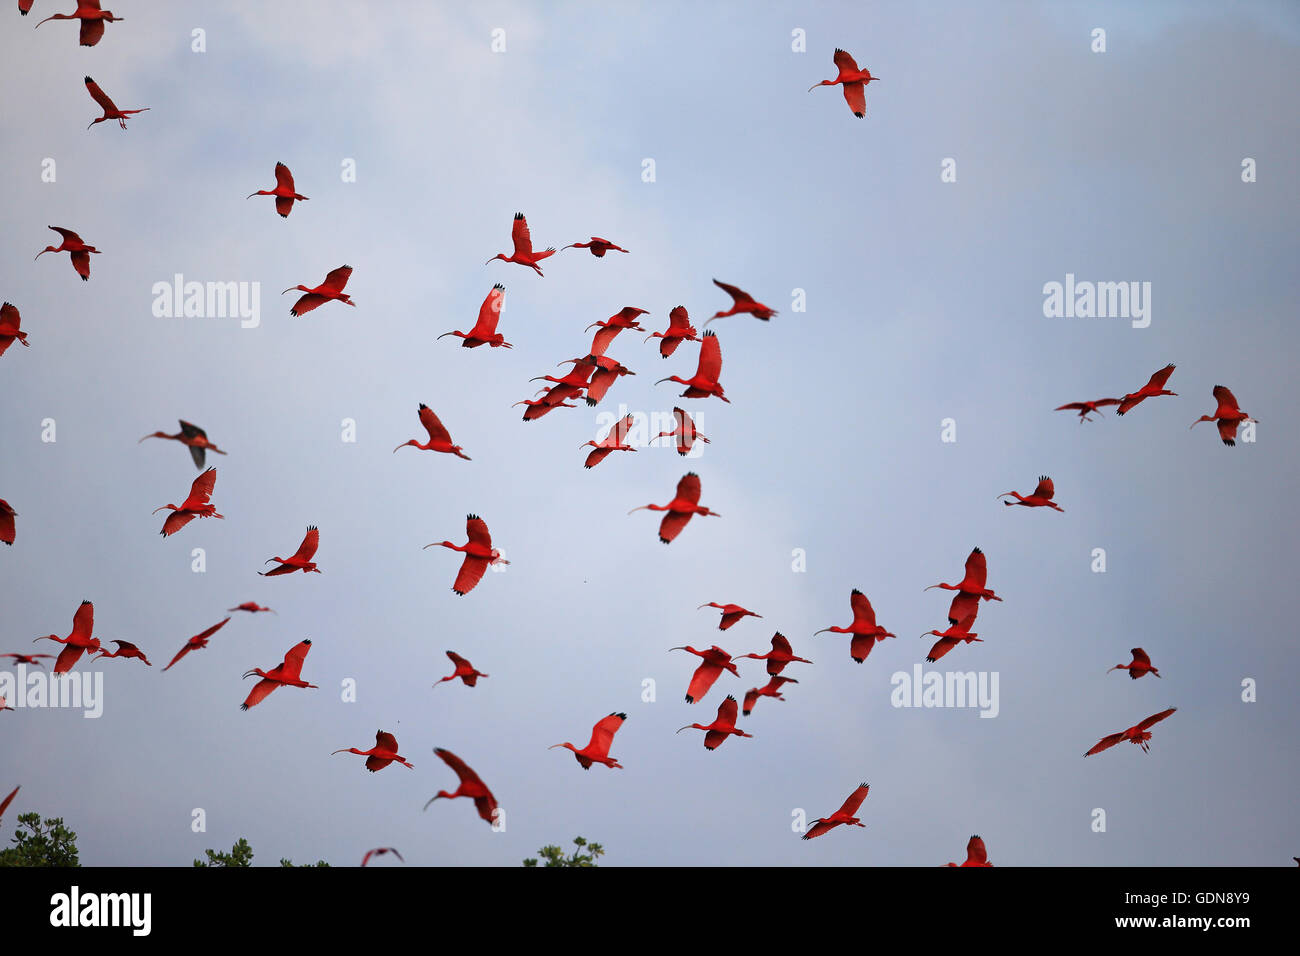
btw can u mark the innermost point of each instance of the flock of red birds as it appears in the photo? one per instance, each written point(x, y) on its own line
point(592, 376)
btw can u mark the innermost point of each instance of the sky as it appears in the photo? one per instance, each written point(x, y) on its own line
point(911, 309)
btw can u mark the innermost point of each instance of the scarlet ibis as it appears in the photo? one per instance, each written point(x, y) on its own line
point(197, 505)
point(300, 560)
point(523, 253)
point(1138, 735)
point(615, 440)
point(970, 589)
point(7, 528)
point(598, 247)
point(250, 606)
point(470, 786)
point(380, 851)
point(10, 320)
point(478, 551)
point(1084, 408)
point(680, 509)
point(331, 290)
point(111, 112)
point(780, 655)
point(28, 658)
point(571, 386)
point(685, 432)
point(624, 318)
point(679, 330)
point(864, 629)
point(705, 380)
point(4, 804)
point(197, 642)
point(742, 302)
point(124, 649)
point(485, 328)
point(286, 674)
point(712, 663)
point(78, 642)
point(80, 252)
point(950, 638)
point(192, 436)
point(1228, 414)
point(855, 82)
point(597, 750)
point(92, 20)
point(4, 705)
point(1041, 497)
point(439, 437)
point(723, 726)
point(771, 689)
point(540, 406)
point(464, 670)
point(284, 193)
point(1156, 386)
point(1140, 666)
point(380, 755)
point(731, 613)
point(846, 814)
point(24, 6)
point(976, 855)
point(604, 373)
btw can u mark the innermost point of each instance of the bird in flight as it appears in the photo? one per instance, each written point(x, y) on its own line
point(10, 330)
point(684, 504)
point(684, 431)
point(597, 750)
point(283, 192)
point(855, 82)
point(771, 689)
point(954, 635)
point(742, 302)
point(722, 727)
point(196, 642)
point(846, 814)
point(976, 855)
point(91, 16)
point(970, 589)
point(866, 632)
point(606, 331)
point(8, 531)
point(731, 613)
point(111, 112)
point(380, 851)
point(78, 642)
point(1086, 408)
point(478, 551)
point(439, 437)
point(285, 674)
point(679, 330)
point(780, 655)
point(1140, 666)
point(80, 252)
point(300, 560)
point(1041, 497)
point(598, 247)
point(32, 659)
point(1156, 386)
point(615, 440)
point(464, 670)
point(1228, 415)
point(380, 755)
point(197, 505)
point(470, 786)
point(192, 436)
point(250, 606)
point(705, 380)
point(485, 328)
point(124, 649)
point(712, 663)
point(523, 254)
point(331, 290)
point(1138, 734)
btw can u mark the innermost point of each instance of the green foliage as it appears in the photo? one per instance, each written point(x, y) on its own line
point(554, 855)
point(51, 844)
point(241, 854)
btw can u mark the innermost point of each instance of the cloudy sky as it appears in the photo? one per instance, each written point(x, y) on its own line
point(924, 303)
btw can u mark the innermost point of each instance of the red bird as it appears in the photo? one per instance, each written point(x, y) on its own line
point(1084, 408)
point(855, 82)
point(1156, 386)
point(283, 192)
point(950, 638)
point(4, 804)
point(111, 112)
point(712, 663)
point(742, 302)
point(780, 655)
point(705, 380)
point(197, 642)
point(598, 247)
point(193, 437)
point(604, 373)
point(7, 529)
point(571, 386)
point(679, 330)
point(597, 750)
point(377, 757)
point(485, 329)
point(685, 432)
point(300, 560)
point(197, 505)
point(971, 588)
point(731, 613)
point(78, 642)
point(464, 670)
point(615, 440)
point(845, 814)
point(4, 705)
point(24, 6)
point(72, 243)
point(380, 852)
point(1041, 497)
point(470, 786)
point(286, 674)
point(624, 318)
point(250, 606)
point(478, 551)
point(28, 658)
point(1138, 735)
point(92, 19)
point(1140, 666)
point(124, 649)
point(10, 321)
point(1228, 414)
point(976, 855)
point(523, 254)
point(439, 437)
point(864, 629)
point(722, 727)
point(771, 689)
point(680, 509)
point(331, 290)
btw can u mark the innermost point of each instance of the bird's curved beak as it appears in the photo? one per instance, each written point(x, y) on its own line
point(663, 380)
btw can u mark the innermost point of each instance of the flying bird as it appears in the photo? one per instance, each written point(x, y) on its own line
point(864, 629)
point(1085, 408)
point(1140, 666)
point(197, 642)
point(1041, 497)
point(250, 606)
point(540, 406)
point(300, 560)
point(91, 16)
point(28, 658)
point(284, 194)
point(478, 551)
point(615, 440)
point(380, 852)
point(855, 82)
point(331, 290)
point(780, 655)
point(485, 328)
point(742, 302)
point(10, 320)
point(976, 855)
point(954, 635)
point(286, 674)
point(7, 529)
point(197, 505)
point(679, 330)
point(1156, 386)
point(193, 437)
point(111, 112)
point(464, 670)
point(523, 254)
point(1228, 415)
point(606, 331)
point(684, 431)
point(377, 757)
point(78, 642)
point(439, 437)
point(470, 786)
point(771, 689)
point(4, 804)
point(598, 247)
point(680, 509)
point(1138, 735)
point(731, 613)
point(80, 252)
point(970, 589)
point(597, 750)
point(712, 663)
point(124, 649)
point(846, 814)
point(705, 380)
point(722, 727)
point(604, 373)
